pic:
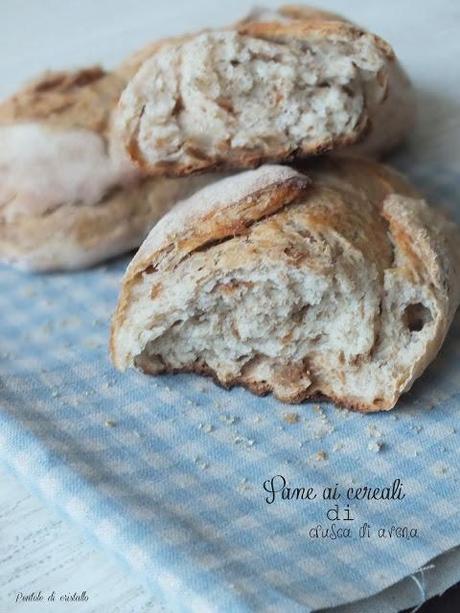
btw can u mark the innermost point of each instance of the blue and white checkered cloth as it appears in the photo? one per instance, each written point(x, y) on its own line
point(166, 473)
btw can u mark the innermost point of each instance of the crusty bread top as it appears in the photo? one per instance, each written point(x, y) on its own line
point(226, 207)
point(219, 210)
point(76, 99)
point(336, 31)
point(357, 174)
point(289, 12)
point(308, 13)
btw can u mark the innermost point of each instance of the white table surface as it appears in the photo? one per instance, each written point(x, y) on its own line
point(38, 551)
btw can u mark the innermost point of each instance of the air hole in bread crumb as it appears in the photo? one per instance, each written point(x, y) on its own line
point(298, 315)
point(178, 107)
point(416, 316)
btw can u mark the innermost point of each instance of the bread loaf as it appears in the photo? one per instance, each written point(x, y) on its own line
point(263, 92)
point(336, 280)
point(66, 200)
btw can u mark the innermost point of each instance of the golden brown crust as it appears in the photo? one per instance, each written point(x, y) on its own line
point(336, 30)
point(82, 98)
point(378, 180)
point(264, 389)
point(309, 13)
point(72, 236)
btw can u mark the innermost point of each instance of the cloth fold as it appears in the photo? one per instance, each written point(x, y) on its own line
point(167, 473)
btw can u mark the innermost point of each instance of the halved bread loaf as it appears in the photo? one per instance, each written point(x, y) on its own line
point(66, 201)
point(262, 92)
point(337, 281)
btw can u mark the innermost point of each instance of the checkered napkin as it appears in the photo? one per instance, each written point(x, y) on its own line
point(167, 473)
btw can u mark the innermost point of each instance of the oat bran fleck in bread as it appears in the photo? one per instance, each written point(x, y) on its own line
point(339, 281)
point(65, 200)
point(262, 92)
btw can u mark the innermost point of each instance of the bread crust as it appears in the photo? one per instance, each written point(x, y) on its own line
point(312, 29)
point(305, 12)
point(71, 237)
point(60, 100)
point(378, 214)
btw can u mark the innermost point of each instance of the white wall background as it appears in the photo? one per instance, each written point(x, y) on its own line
point(35, 34)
